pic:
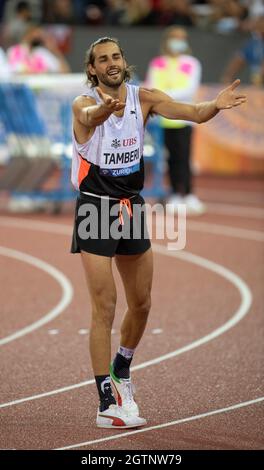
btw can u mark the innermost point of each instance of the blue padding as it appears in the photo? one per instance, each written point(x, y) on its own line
point(18, 110)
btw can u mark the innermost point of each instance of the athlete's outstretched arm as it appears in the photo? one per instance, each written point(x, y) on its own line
point(162, 104)
point(91, 114)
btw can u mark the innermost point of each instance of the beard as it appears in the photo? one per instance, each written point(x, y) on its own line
point(112, 82)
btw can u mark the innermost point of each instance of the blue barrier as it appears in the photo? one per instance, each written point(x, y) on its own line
point(156, 190)
point(47, 113)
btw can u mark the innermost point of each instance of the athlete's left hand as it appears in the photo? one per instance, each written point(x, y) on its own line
point(227, 98)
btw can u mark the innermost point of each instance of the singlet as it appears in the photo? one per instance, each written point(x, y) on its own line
point(111, 162)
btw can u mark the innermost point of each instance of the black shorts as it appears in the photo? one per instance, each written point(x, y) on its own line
point(107, 227)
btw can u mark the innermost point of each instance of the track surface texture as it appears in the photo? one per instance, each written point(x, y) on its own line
point(198, 369)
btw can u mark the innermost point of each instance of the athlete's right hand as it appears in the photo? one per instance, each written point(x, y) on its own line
point(110, 103)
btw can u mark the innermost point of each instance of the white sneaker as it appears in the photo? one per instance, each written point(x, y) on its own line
point(193, 205)
point(117, 418)
point(172, 203)
point(123, 391)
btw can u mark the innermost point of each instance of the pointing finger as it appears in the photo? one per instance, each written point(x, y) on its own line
point(235, 84)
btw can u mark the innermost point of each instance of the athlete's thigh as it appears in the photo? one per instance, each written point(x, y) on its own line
point(99, 276)
point(136, 272)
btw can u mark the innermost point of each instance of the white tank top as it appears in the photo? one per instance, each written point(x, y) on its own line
point(111, 161)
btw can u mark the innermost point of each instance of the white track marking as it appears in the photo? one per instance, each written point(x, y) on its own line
point(53, 332)
point(30, 224)
point(204, 263)
point(67, 291)
point(228, 209)
point(216, 229)
point(83, 331)
point(157, 331)
point(47, 394)
point(166, 425)
point(226, 274)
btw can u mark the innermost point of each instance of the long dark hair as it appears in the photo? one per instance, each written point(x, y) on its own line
point(89, 59)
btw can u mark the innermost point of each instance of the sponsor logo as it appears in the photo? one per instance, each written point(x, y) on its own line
point(120, 171)
point(130, 141)
point(116, 143)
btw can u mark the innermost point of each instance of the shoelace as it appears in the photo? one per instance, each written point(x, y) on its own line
point(127, 204)
point(128, 391)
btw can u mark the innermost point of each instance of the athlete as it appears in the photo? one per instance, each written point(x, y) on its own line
point(108, 171)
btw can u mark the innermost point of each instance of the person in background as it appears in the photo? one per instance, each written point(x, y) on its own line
point(251, 55)
point(58, 11)
point(37, 53)
point(2, 9)
point(178, 74)
point(17, 26)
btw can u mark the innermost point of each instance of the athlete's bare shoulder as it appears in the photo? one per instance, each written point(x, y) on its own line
point(152, 95)
point(144, 94)
point(149, 97)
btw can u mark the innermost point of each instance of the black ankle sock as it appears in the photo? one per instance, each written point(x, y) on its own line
point(104, 388)
point(121, 366)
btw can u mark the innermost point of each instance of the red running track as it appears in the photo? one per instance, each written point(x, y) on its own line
point(198, 369)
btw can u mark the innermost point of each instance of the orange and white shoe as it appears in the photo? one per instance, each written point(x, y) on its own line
point(116, 417)
point(123, 391)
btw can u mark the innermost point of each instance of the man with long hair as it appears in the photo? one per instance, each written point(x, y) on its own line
point(108, 171)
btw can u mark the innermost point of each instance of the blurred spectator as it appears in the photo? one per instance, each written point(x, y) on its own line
point(227, 14)
point(62, 34)
point(251, 55)
point(5, 71)
point(255, 8)
point(2, 9)
point(17, 26)
point(131, 12)
point(94, 12)
point(37, 53)
point(175, 12)
point(115, 11)
point(58, 11)
point(74, 11)
point(177, 73)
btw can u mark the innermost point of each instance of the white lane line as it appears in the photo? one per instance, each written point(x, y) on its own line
point(230, 276)
point(217, 229)
point(66, 298)
point(166, 425)
point(53, 332)
point(47, 394)
point(228, 209)
point(30, 224)
point(238, 315)
point(83, 331)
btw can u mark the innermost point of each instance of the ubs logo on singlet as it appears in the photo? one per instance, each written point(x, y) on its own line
point(116, 143)
point(130, 141)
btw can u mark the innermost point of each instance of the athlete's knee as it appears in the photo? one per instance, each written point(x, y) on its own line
point(142, 306)
point(104, 311)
